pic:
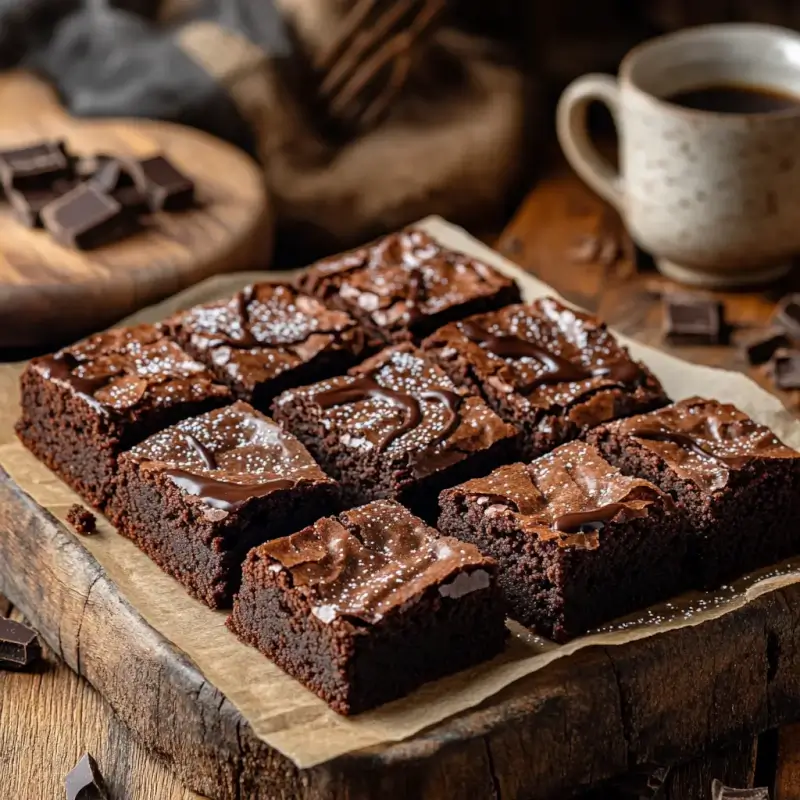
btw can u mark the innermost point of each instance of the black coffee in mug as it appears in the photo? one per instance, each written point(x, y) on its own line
point(736, 99)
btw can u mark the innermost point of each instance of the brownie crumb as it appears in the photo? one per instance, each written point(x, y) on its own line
point(82, 520)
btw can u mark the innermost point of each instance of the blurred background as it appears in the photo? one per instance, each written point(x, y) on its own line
point(364, 114)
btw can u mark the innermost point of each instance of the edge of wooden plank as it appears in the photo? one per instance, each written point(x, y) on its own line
point(584, 719)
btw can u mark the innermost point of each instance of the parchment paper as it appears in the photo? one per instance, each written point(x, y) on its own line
point(280, 711)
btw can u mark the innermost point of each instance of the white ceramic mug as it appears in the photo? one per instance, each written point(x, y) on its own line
point(714, 196)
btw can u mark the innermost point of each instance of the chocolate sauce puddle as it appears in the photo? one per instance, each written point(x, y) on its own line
point(558, 369)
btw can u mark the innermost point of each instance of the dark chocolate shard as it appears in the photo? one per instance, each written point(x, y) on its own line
point(86, 218)
point(19, 646)
point(787, 315)
point(695, 318)
point(786, 368)
point(84, 781)
point(111, 174)
point(167, 188)
point(35, 166)
point(27, 204)
point(762, 346)
point(721, 792)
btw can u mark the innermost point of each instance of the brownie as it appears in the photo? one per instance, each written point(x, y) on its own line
point(396, 427)
point(552, 371)
point(406, 285)
point(268, 338)
point(577, 542)
point(82, 519)
point(364, 608)
point(738, 484)
point(197, 496)
point(84, 405)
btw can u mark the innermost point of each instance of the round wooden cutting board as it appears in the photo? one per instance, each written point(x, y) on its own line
point(50, 294)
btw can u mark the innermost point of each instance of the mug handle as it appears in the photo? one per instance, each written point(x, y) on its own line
point(573, 133)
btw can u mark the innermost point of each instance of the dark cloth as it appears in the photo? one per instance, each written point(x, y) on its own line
point(118, 60)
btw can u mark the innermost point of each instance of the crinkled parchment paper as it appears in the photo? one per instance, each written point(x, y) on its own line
point(280, 711)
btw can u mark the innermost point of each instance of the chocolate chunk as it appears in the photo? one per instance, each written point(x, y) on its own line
point(111, 174)
point(721, 792)
point(19, 647)
point(27, 204)
point(761, 347)
point(786, 368)
point(82, 519)
point(166, 188)
point(86, 218)
point(694, 318)
point(132, 198)
point(787, 315)
point(34, 167)
point(84, 781)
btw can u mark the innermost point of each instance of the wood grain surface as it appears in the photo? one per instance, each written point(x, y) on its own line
point(50, 293)
point(597, 715)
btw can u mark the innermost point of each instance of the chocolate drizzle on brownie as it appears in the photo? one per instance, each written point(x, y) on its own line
point(205, 454)
point(558, 368)
point(595, 519)
point(62, 366)
point(660, 434)
point(367, 387)
point(374, 559)
point(224, 495)
point(242, 455)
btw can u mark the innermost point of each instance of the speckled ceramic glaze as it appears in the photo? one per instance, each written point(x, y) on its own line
point(715, 197)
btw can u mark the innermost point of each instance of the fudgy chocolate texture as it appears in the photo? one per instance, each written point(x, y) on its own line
point(550, 370)
point(196, 497)
point(268, 338)
point(738, 484)
point(577, 542)
point(396, 427)
point(84, 405)
point(406, 285)
point(364, 608)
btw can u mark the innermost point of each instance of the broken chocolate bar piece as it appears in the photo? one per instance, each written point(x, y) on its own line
point(787, 315)
point(721, 792)
point(84, 781)
point(111, 174)
point(86, 218)
point(167, 189)
point(786, 368)
point(19, 647)
point(761, 347)
point(35, 166)
point(27, 204)
point(694, 318)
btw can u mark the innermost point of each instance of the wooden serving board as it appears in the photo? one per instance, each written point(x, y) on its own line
point(572, 724)
point(583, 719)
point(50, 293)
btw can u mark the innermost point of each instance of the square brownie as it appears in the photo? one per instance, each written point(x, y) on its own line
point(84, 405)
point(738, 484)
point(552, 371)
point(406, 285)
point(364, 608)
point(396, 427)
point(268, 338)
point(197, 496)
point(577, 542)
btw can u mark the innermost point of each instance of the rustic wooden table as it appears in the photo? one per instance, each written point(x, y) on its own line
point(574, 242)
